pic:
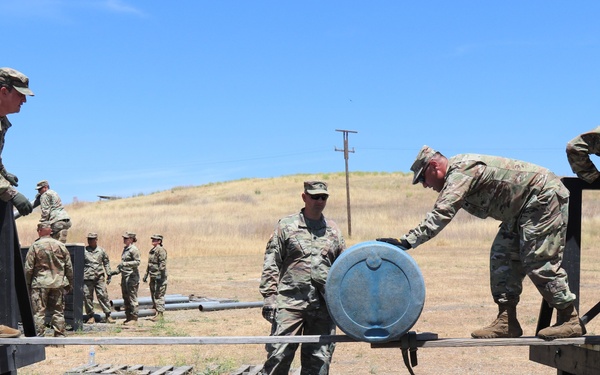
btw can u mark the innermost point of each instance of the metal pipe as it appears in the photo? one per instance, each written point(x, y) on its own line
point(169, 298)
point(213, 306)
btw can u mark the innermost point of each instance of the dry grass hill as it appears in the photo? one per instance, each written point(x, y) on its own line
point(215, 235)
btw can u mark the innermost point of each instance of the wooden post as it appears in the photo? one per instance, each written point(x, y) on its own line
point(346, 151)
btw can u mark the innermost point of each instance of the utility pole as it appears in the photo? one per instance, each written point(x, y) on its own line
point(346, 151)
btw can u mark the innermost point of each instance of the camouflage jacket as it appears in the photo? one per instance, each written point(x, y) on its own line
point(52, 208)
point(7, 192)
point(95, 264)
point(485, 186)
point(48, 264)
point(130, 260)
point(297, 261)
point(578, 154)
point(157, 262)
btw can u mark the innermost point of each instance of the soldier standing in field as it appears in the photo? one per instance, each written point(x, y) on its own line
point(157, 270)
point(96, 266)
point(297, 260)
point(49, 276)
point(14, 89)
point(53, 211)
point(579, 150)
point(130, 277)
point(532, 204)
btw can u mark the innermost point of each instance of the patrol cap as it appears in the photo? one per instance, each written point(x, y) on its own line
point(315, 187)
point(92, 236)
point(128, 235)
point(41, 184)
point(423, 158)
point(16, 79)
point(43, 225)
point(157, 237)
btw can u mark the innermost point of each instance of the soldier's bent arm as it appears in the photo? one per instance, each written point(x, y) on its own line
point(578, 154)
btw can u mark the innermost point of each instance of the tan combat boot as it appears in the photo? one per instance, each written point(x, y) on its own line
point(131, 322)
point(6, 332)
point(567, 324)
point(159, 316)
point(506, 325)
point(109, 319)
point(91, 320)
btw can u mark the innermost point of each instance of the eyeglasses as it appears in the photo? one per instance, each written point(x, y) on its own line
point(316, 197)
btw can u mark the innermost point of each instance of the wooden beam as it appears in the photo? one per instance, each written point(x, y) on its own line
point(237, 340)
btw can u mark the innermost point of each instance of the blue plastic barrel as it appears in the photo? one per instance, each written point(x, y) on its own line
point(375, 292)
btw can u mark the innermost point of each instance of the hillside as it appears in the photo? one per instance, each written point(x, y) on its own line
point(215, 235)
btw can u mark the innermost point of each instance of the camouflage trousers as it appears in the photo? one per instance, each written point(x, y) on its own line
point(158, 289)
point(51, 300)
point(314, 358)
point(533, 248)
point(60, 229)
point(98, 286)
point(129, 289)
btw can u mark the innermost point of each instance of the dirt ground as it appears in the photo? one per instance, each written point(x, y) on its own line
point(451, 315)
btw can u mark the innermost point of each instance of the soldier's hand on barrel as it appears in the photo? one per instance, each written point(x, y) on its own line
point(68, 289)
point(401, 243)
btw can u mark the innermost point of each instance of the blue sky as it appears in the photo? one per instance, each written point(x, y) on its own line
point(141, 96)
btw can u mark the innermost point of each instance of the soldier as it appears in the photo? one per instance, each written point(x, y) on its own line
point(157, 270)
point(95, 265)
point(14, 89)
point(49, 276)
point(130, 277)
point(579, 150)
point(53, 211)
point(297, 260)
point(532, 204)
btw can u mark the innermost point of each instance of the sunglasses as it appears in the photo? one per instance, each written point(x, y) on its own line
point(316, 197)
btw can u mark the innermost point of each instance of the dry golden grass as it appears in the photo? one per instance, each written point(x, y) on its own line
point(215, 235)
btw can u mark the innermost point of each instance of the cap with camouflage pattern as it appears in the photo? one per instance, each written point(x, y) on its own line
point(41, 184)
point(92, 236)
point(128, 235)
point(423, 158)
point(16, 79)
point(157, 237)
point(43, 225)
point(315, 187)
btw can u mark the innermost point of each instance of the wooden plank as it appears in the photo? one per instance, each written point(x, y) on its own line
point(114, 369)
point(162, 371)
point(570, 359)
point(236, 340)
point(182, 370)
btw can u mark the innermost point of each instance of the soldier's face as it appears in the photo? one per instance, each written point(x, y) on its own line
point(92, 242)
point(434, 176)
point(12, 100)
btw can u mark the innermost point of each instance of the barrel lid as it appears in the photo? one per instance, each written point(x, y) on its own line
point(375, 292)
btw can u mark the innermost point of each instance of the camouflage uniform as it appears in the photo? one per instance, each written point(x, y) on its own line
point(157, 270)
point(578, 154)
point(532, 204)
point(95, 265)
point(54, 213)
point(130, 280)
point(48, 271)
point(7, 192)
point(297, 260)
